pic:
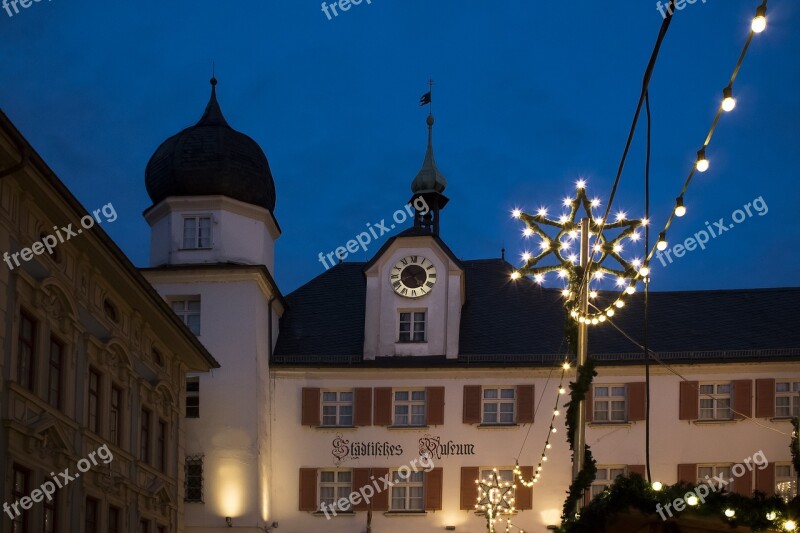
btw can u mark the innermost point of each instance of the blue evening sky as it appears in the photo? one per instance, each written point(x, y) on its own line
point(528, 97)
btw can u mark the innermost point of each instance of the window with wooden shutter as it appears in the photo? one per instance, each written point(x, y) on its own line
point(434, 484)
point(688, 398)
point(472, 404)
point(363, 407)
point(687, 472)
point(744, 484)
point(469, 492)
point(589, 401)
point(765, 480)
point(308, 490)
point(637, 401)
point(435, 411)
point(742, 398)
point(523, 497)
point(526, 404)
point(765, 398)
point(380, 502)
point(310, 407)
point(637, 469)
point(361, 479)
point(383, 406)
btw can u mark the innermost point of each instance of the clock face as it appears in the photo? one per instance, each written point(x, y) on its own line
point(413, 276)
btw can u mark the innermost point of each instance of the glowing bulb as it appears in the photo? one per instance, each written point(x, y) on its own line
point(621, 215)
point(567, 202)
point(562, 273)
point(617, 248)
point(629, 290)
point(595, 202)
point(565, 293)
point(759, 23)
point(598, 220)
point(516, 213)
point(772, 515)
point(526, 256)
point(573, 314)
point(538, 278)
point(595, 321)
point(580, 184)
point(556, 413)
point(620, 304)
point(573, 258)
point(544, 458)
point(544, 245)
point(527, 232)
point(553, 430)
point(599, 275)
point(692, 500)
point(635, 237)
point(644, 271)
point(636, 262)
point(592, 294)
point(680, 210)
point(597, 248)
point(542, 212)
point(728, 101)
point(601, 318)
point(620, 282)
point(562, 390)
point(702, 162)
point(565, 366)
point(581, 319)
point(730, 513)
point(789, 525)
point(573, 234)
point(645, 222)
point(657, 486)
point(515, 275)
point(548, 446)
point(610, 312)
point(565, 245)
point(662, 241)
point(563, 219)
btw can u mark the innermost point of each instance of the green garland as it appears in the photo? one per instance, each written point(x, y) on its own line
point(795, 446)
point(586, 476)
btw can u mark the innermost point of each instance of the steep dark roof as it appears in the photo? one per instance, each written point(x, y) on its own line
point(520, 322)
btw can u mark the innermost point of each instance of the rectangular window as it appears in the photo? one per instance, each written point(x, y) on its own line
point(407, 492)
point(605, 477)
point(144, 437)
point(196, 232)
point(161, 446)
point(193, 397)
point(20, 488)
point(50, 514)
point(503, 475)
point(26, 352)
point(334, 485)
point(188, 310)
point(194, 479)
point(609, 403)
point(54, 377)
point(707, 473)
point(498, 405)
point(412, 326)
point(337, 408)
point(94, 401)
point(715, 401)
point(91, 523)
point(787, 399)
point(115, 414)
point(114, 514)
point(409, 407)
point(785, 481)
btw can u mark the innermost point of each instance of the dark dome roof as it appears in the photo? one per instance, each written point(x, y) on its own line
point(211, 158)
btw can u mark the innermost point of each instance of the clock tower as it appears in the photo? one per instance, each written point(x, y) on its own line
point(415, 284)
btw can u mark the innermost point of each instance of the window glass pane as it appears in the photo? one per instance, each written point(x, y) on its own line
point(782, 471)
point(706, 389)
point(326, 477)
point(601, 392)
point(328, 396)
point(346, 396)
point(617, 472)
point(618, 391)
point(782, 386)
point(405, 317)
point(490, 393)
point(796, 386)
point(344, 476)
point(506, 393)
point(602, 474)
point(724, 389)
point(401, 395)
point(418, 395)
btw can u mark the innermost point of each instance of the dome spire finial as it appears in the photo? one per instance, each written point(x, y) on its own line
point(212, 116)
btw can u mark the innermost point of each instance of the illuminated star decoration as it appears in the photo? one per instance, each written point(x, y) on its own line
point(495, 497)
point(565, 248)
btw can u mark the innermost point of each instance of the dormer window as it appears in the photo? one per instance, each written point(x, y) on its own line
point(196, 232)
point(412, 326)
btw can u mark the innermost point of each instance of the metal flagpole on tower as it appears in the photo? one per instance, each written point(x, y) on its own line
point(583, 349)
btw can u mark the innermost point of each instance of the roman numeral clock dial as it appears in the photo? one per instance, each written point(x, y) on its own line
point(413, 276)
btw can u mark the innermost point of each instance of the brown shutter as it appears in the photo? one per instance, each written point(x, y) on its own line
point(637, 469)
point(362, 410)
point(469, 491)
point(742, 398)
point(526, 404)
point(689, 401)
point(587, 497)
point(472, 405)
point(310, 407)
point(637, 402)
point(308, 489)
point(434, 412)
point(744, 484)
point(360, 479)
point(765, 399)
point(687, 473)
point(383, 406)
point(589, 405)
point(380, 502)
point(524, 495)
point(765, 479)
point(434, 482)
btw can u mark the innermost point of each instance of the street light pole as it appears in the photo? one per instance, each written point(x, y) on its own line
point(583, 348)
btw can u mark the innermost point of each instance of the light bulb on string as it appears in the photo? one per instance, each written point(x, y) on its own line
point(680, 210)
point(759, 23)
point(702, 163)
point(728, 101)
point(644, 271)
point(662, 241)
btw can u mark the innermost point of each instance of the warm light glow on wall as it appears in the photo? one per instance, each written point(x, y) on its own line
point(229, 488)
point(551, 516)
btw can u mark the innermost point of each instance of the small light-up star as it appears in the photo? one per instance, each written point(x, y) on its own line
point(538, 278)
point(516, 213)
point(568, 202)
point(563, 219)
point(621, 215)
point(526, 256)
point(595, 202)
point(599, 275)
point(617, 248)
point(635, 237)
point(573, 234)
point(542, 212)
point(544, 245)
point(527, 232)
point(580, 184)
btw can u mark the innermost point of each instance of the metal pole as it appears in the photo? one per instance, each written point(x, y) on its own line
point(583, 345)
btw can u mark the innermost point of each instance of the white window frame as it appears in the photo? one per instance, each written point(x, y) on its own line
point(605, 477)
point(791, 397)
point(341, 489)
point(785, 484)
point(505, 475)
point(415, 325)
point(195, 242)
point(715, 470)
point(193, 395)
point(414, 480)
point(410, 403)
point(718, 413)
point(607, 401)
point(337, 403)
point(499, 401)
point(185, 313)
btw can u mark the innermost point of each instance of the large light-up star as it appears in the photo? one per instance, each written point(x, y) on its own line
point(495, 497)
